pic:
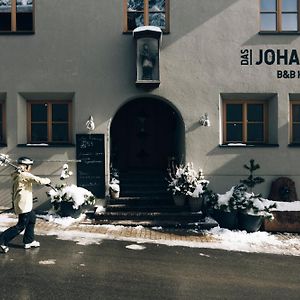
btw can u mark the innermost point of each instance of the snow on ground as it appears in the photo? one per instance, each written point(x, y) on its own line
point(257, 242)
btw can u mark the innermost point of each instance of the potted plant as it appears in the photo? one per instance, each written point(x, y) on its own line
point(177, 184)
point(239, 209)
point(68, 200)
point(252, 208)
point(224, 208)
point(114, 185)
point(196, 191)
point(186, 183)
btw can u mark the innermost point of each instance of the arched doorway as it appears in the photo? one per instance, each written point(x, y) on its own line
point(146, 133)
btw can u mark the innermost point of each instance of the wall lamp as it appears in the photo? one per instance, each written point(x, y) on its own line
point(204, 121)
point(90, 125)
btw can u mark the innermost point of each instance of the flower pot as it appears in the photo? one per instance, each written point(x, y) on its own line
point(250, 223)
point(66, 209)
point(195, 203)
point(226, 219)
point(114, 194)
point(179, 199)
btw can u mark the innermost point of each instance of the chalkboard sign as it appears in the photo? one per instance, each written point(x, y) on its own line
point(90, 165)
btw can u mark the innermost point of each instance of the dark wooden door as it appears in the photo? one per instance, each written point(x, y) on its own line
point(143, 135)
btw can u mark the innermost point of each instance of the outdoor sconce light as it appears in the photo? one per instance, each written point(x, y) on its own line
point(204, 121)
point(148, 40)
point(90, 125)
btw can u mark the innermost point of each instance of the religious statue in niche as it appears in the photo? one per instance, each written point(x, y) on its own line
point(148, 59)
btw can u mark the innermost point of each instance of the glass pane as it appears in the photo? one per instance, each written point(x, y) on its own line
point(289, 5)
point(5, 21)
point(234, 133)
point(60, 112)
point(296, 133)
point(39, 112)
point(24, 6)
point(296, 112)
point(1, 113)
point(39, 133)
point(157, 19)
point(234, 112)
point(268, 22)
point(289, 22)
point(24, 21)
point(268, 5)
point(135, 20)
point(60, 133)
point(255, 133)
point(157, 5)
point(255, 112)
point(134, 5)
point(5, 6)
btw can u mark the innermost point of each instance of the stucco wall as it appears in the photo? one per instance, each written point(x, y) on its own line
point(78, 51)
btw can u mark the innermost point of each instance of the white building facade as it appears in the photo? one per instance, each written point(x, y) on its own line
point(231, 64)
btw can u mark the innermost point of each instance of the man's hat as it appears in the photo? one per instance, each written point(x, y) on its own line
point(25, 161)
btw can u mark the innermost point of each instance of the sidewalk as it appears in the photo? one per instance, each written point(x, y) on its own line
point(83, 232)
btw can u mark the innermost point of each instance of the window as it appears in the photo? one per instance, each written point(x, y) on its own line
point(2, 123)
point(146, 12)
point(16, 15)
point(245, 122)
point(279, 15)
point(49, 122)
point(295, 122)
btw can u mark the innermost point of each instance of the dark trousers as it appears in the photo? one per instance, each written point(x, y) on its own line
point(26, 221)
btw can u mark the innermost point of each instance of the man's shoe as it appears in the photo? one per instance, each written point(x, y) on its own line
point(4, 248)
point(33, 244)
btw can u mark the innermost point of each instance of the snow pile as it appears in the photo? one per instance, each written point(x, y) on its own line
point(7, 218)
point(63, 221)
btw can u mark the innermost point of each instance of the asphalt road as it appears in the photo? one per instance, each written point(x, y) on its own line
point(65, 270)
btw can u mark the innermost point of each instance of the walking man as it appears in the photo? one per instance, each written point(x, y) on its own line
point(23, 203)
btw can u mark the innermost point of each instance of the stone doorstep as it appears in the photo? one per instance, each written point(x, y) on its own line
point(284, 221)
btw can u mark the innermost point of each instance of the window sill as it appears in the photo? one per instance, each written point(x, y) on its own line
point(279, 33)
point(295, 145)
point(131, 31)
point(43, 145)
point(240, 145)
point(17, 32)
point(2, 145)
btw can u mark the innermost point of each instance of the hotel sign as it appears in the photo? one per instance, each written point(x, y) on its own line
point(270, 57)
